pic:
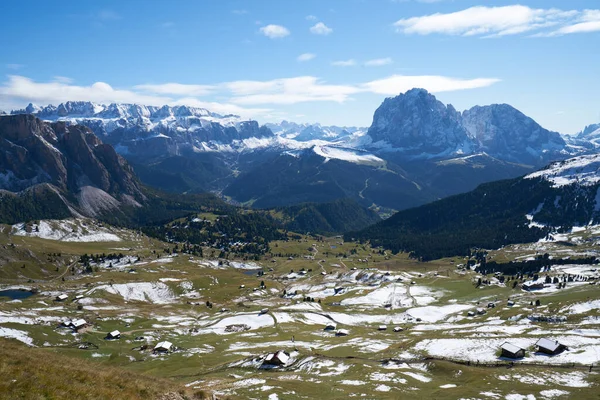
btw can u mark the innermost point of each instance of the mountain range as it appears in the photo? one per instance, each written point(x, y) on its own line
point(58, 170)
point(416, 150)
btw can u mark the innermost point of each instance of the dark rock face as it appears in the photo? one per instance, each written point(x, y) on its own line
point(69, 157)
point(28, 154)
point(146, 131)
point(416, 123)
point(505, 132)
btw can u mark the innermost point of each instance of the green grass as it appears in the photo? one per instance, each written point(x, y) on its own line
point(221, 286)
point(44, 374)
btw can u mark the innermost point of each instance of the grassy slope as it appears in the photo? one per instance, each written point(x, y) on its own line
point(222, 287)
point(43, 374)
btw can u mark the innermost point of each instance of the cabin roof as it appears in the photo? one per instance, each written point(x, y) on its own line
point(79, 322)
point(279, 355)
point(163, 345)
point(548, 344)
point(511, 348)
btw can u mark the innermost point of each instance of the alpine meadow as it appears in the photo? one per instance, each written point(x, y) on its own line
point(318, 199)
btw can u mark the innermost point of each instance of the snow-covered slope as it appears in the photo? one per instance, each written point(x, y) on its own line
point(68, 230)
point(350, 155)
point(152, 131)
point(505, 132)
point(587, 139)
point(583, 170)
point(305, 132)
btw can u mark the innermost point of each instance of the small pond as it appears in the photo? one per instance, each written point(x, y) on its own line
point(15, 294)
point(252, 272)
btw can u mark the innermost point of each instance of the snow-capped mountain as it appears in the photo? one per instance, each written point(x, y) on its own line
point(418, 125)
point(591, 133)
point(586, 141)
point(417, 149)
point(506, 133)
point(413, 125)
point(145, 131)
point(306, 132)
point(592, 130)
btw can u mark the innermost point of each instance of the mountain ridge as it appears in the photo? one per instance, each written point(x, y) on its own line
point(432, 147)
point(527, 209)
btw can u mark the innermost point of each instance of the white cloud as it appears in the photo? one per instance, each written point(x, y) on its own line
point(241, 97)
point(320, 29)
point(239, 12)
point(378, 62)
point(177, 89)
point(274, 31)
point(588, 21)
point(19, 89)
point(311, 18)
point(310, 89)
point(63, 79)
point(395, 84)
point(306, 57)
point(489, 21)
point(14, 66)
point(288, 91)
point(344, 63)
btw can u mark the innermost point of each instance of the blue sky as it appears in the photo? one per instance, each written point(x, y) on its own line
point(327, 61)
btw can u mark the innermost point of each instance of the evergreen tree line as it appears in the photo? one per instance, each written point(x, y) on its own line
point(491, 216)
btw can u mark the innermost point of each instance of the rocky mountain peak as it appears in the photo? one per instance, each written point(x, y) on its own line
point(32, 108)
point(416, 123)
point(69, 157)
point(505, 132)
point(590, 131)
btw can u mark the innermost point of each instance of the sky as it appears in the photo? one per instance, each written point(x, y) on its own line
point(326, 61)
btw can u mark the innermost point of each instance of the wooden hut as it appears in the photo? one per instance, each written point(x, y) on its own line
point(278, 358)
point(510, 350)
point(550, 347)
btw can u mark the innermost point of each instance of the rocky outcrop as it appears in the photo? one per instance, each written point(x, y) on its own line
point(504, 132)
point(69, 157)
point(147, 131)
point(418, 125)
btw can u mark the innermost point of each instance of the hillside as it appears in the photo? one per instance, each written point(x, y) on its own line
point(57, 170)
point(328, 218)
point(495, 214)
point(31, 373)
point(310, 177)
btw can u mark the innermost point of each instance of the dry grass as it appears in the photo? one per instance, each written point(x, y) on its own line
point(30, 373)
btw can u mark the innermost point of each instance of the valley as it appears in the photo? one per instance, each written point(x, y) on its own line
point(224, 316)
point(286, 200)
point(285, 282)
